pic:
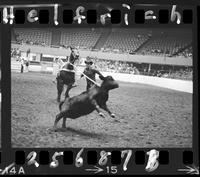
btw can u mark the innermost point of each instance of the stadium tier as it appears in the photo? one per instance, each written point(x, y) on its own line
point(140, 41)
point(33, 36)
point(126, 40)
point(84, 38)
point(167, 42)
point(187, 52)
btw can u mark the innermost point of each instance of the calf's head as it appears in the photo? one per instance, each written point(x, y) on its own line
point(108, 83)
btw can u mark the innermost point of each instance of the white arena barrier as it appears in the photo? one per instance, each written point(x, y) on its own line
point(15, 66)
point(55, 69)
point(174, 84)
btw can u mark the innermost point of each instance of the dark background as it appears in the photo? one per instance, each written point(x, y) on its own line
point(175, 155)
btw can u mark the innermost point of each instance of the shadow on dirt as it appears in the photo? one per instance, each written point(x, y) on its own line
point(83, 133)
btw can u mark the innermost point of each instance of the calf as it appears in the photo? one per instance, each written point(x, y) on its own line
point(88, 101)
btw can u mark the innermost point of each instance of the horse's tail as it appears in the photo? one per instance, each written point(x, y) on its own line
point(60, 105)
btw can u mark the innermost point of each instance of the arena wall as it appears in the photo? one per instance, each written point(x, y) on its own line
point(174, 84)
point(107, 55)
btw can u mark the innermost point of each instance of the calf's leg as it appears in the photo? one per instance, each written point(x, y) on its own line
point(58, 117)
point(105, 107)
point(97, 107)
point(64, 122)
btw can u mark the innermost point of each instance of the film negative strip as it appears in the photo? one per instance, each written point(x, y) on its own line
point(105, 87)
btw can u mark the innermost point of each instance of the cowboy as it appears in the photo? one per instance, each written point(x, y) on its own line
point(90, 72)
point(22, 61)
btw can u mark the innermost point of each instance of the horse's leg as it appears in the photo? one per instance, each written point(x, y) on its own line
point(67, 91)
point(60, 86)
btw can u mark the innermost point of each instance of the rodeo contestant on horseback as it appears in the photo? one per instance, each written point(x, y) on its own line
point(66, 66)
point(66, 75)
point(90, 72)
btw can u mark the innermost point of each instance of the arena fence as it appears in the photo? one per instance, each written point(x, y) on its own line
point(174, 84)
point(38, 50)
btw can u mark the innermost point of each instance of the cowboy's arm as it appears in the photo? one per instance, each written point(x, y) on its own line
point(97, 72)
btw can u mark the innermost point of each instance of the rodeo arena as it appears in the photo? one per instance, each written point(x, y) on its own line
point(101, 87)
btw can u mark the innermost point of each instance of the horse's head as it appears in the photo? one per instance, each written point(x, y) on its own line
point(74, 54)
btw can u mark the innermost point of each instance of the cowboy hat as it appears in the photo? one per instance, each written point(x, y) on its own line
point(88, 61)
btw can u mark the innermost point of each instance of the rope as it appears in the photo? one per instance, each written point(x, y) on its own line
point(88, 77)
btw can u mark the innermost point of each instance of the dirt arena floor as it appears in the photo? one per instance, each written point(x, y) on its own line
point(146, 116)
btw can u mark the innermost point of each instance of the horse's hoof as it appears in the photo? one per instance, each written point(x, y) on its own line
point(54, 128)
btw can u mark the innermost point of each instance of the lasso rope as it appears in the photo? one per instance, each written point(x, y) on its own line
point(85, 76)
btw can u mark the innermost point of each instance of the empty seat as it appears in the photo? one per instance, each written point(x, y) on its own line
point(35, 36)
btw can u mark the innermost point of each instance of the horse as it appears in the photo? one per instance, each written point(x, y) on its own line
point(66, 75)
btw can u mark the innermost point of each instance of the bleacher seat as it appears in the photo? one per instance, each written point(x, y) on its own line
point(126, 39)
point(84, 37)
point(36, 36)
point(166, 42)
point(139, 41)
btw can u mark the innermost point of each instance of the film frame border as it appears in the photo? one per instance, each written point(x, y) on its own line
point(121, 15)
point(7, 112)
